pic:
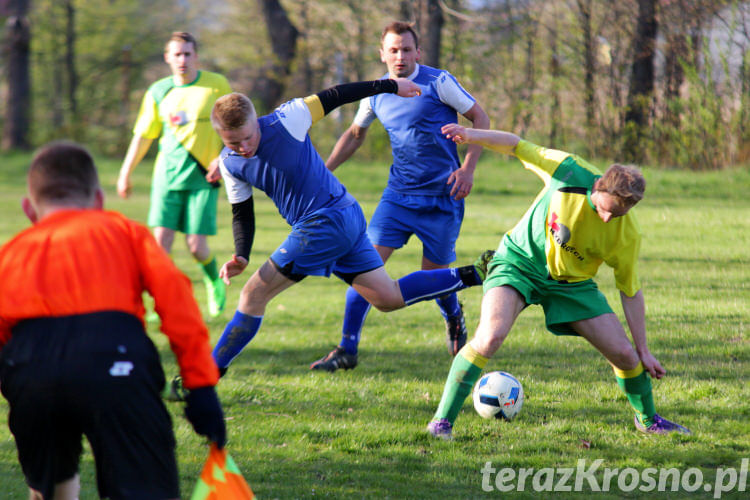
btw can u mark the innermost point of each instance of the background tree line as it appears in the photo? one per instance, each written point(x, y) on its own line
point(657, 81)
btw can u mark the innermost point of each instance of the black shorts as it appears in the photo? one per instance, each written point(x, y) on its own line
point(97, 375)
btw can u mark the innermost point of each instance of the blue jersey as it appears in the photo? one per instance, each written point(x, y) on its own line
point(286, 167)
point(423, 158)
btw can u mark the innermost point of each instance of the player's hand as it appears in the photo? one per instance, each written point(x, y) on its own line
point(214, 172)
point(123, 186)
point(652, 365)
point(203, 411)
point(462, 181)
point(407, 88)
point(232, 268)
point(455, 132)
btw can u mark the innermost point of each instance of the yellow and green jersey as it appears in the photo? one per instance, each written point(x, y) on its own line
point(561, 235)
point(181, 116)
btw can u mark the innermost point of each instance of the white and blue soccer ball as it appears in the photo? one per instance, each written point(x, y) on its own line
point(498, 395)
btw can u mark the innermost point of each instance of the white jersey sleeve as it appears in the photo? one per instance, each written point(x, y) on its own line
point(365, 115)
point(296, 118)
point(237, 189)
point(452, 94)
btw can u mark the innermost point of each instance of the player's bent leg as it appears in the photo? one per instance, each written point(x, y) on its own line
point(605, 332)
point(164, 237)
point(263, 285)
point(69, 489)
point(500, 308)
point(216, 294)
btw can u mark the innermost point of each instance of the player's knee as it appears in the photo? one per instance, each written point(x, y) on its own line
point(625, 357)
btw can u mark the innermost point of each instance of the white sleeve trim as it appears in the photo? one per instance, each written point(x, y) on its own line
point(365, 115)
point(296, 118)
point(237, 189)
point(452, 94)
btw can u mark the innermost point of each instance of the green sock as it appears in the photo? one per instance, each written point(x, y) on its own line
point(465, 371)
point(637, 387)
point(209, 268)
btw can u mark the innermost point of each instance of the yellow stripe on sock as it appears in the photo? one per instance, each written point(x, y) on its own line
point(634, 372)
point(472, 356)
point(315, 107)
point(207, 261)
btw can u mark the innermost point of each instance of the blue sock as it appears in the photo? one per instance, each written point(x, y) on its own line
point(425, 285)
point(354, 317)
point(449, 306)
point(237, 334)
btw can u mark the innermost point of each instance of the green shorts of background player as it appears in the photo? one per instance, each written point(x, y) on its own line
point(580, 220)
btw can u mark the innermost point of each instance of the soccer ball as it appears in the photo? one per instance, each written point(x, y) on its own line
point(498, 395)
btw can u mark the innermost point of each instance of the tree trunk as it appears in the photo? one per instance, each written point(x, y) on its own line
point(270, 86)
point(584, 13)
point(18, 41)
point(70, 62)
point(554, 114)
point(431, 38)
point(641, 80)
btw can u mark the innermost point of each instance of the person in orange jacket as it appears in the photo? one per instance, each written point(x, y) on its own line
point(75, 358)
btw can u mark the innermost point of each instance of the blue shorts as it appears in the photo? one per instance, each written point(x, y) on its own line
point(328, 241)
point(436, 220)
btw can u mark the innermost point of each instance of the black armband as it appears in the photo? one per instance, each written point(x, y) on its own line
point(351, 92)
point(243, 227)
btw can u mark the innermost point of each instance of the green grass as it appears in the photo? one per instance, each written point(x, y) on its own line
point(360, 433)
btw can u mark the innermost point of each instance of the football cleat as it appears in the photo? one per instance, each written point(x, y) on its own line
point(455, 331)
point(441, 428)
point(661, 426)
point(216, 294)
point(482, 262)
point(338, 358)
point(174, 391)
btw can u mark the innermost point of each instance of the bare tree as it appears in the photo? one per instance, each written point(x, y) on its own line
point(17, 45)
point(432, 34)
point(584, 20)
point(641, 87)
point(283, 35)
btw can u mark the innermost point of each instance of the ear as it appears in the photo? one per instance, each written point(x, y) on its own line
point(99, 199)
point(28, 209)
point(419, 53)
point(166, 57)
point(382, 55)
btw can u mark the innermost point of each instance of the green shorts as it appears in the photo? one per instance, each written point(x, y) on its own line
point(562, 302)
point(189, 212)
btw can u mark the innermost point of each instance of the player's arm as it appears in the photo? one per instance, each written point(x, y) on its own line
point(345, 147)
point(243, 231)
point(635, 314)
point(497, 140)
point(136, 151)
point(463, 178)
point(324, 102)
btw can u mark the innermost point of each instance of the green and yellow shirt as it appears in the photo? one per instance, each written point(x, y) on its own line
point(181, 116)
point(561, 235)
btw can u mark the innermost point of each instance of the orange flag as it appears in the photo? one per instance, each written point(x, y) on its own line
point(221, 479)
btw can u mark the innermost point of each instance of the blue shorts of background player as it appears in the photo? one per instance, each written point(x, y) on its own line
point(435, 220)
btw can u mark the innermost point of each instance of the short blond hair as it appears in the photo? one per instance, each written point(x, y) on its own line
point(232, 111)
point(625, 183)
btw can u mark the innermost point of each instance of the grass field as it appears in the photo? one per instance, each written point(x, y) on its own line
point(361, 433)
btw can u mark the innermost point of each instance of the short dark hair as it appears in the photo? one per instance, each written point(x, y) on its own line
point(399, 28)
point(63, 172)
point(181, 36)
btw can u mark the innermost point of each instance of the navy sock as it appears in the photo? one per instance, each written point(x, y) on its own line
point(425, 285)
point(449, 306)
point(354, 317)
point(237, 334)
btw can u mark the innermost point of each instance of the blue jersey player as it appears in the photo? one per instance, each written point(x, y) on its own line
point(427, 182)
point(274, 153)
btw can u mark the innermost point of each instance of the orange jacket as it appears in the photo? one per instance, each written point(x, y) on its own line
point(85, 261)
